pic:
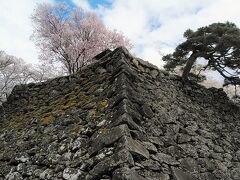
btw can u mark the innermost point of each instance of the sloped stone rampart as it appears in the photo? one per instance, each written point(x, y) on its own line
point(119, 118)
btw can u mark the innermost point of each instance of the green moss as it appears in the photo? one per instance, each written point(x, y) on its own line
point(72, 97)
point(103, 131)
point(16, 122)
point(68, 105)
point(83, 100)
point(102, 105)
point(58, 101)
point(78, 127)
point(93, 88)
point(45, 109)
point(82, 79)
point(95, 114)
point(17, 118)
point(58, 113)
point(47, 119)
point(77, 88)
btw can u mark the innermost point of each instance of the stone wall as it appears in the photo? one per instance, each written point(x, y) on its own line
point(119, 118)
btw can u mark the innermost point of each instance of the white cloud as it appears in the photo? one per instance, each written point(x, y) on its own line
point(158, 25)
point(83, 4)
point(16, 28)
point(151, 25)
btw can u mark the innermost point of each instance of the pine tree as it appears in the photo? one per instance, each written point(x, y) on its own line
point(218, 44)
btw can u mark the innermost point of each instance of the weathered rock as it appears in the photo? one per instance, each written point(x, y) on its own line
point(236, 173)
point(238, 155)
point(151, 164)
point(164, 177)
point(154, 73)
point(183, 138)
point(179, 174)
point(218, 149)
point(150, 147)
point(108, 137)
point(156, 141)
point(135, 147)
point(126, 174)
point(14, 176)
point(71, 174)
point(189, 150)
point(119, 118)
point(22, 158)
point(189, 164)
point(46, 174)
point(110, 163)
point(147, 111)
point(208, 175)
point(165, 158)
point(207, 163)
point(125, 119)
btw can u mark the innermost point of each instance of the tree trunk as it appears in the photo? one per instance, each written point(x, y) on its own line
point(189, 65)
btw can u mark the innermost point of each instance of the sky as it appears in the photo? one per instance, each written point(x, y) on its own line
point(154, 27)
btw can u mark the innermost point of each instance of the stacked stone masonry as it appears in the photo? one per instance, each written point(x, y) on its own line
point(119, 118)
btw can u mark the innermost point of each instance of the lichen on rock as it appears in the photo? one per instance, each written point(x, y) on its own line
point(119, 118)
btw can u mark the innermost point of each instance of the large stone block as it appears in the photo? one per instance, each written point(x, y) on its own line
point(110, 163)
point(109, 137)
point(135, 147)
point(126, 174)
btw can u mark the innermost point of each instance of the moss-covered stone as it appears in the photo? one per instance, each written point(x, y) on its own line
point(68, 123)
point(68, 105)
point(78, 127)
point(102, 105)
point(47, 119)
point(103, 130)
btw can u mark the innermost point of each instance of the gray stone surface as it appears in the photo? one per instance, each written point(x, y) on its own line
point(119, 118)
point(126, 174)
point(107, 138)
point(110, 163)
point(135, 147)
point(167, 159)
point(179, 174)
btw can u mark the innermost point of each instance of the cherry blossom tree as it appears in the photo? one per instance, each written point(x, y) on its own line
point(13, 71)
point(45, 71)
point(72, 36)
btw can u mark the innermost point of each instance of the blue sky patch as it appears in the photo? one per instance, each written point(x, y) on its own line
point(68, 2)
point(96, 3)
point(154, 24)
point(93, 3)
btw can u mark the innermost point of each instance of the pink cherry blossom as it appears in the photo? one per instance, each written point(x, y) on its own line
point(72, 37)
